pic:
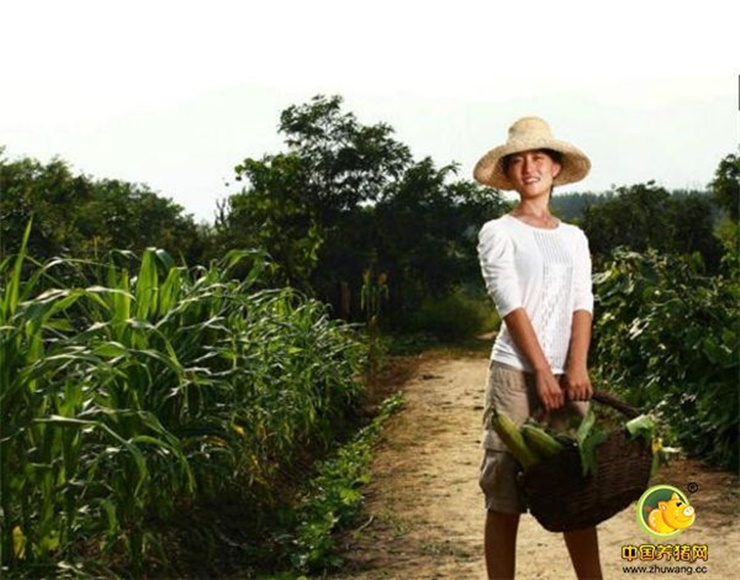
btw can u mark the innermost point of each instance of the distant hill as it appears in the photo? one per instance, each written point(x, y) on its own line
point(570, 206)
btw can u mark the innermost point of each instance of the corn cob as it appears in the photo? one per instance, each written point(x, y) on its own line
point(564, 439)
point(512, 438)
point(541, 442)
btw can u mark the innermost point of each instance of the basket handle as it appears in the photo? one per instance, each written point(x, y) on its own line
point(607, 399)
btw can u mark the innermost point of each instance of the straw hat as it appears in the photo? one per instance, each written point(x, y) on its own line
point(526, 134)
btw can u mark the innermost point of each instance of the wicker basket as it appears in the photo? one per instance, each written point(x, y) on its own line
point(563, 500)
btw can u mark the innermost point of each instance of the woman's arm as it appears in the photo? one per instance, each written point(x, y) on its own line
point(577, 381)
point(520, 327)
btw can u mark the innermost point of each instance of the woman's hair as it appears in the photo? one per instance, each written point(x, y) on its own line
point(556, 156)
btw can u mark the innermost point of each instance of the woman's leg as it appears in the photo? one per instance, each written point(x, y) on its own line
point(500, 544)
point(583, 546)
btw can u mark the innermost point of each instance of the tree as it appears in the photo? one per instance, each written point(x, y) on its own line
point(645, 216)
point(726, 190)
point(632, 218)
point(52, 194)
point(726, 185)
point(346, 164)
point(426, 232)
point(274, 213)
point(78, 216)
point(346, 199)
point(307, 206)
point(692, 218)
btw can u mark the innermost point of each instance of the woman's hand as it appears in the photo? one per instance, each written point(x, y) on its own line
point(549, 391)
point(577, 383)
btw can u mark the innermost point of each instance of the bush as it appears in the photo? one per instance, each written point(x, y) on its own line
point(454, 317)
point(666, 337)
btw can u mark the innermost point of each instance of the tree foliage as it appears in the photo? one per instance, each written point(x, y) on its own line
point(570, 206)
point(78, 216)
point(348, 197)
point(346, 163)
point(295, 203)
point(427, 231)
point(274, 214)
point(726, 185)
point(645, 216)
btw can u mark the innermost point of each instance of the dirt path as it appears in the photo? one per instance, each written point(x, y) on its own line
point(424, 508)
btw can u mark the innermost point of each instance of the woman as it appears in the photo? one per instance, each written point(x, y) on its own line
point(538, 271)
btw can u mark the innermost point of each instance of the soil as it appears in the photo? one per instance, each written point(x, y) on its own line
point(424, 511)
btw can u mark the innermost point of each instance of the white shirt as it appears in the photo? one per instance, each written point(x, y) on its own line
point(545, 271)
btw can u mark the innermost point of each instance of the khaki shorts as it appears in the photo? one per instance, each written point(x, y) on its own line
point(512, 392)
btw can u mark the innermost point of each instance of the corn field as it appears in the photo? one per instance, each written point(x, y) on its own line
point(134, 387)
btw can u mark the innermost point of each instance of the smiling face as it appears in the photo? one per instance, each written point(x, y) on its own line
point(676, 513)
point(532, 172)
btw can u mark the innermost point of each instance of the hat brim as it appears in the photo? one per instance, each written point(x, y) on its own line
point(575, 165)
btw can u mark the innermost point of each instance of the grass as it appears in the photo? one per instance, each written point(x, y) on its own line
point(417, 343)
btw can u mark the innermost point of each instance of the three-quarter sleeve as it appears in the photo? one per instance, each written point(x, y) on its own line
point(496, 256)
point(583, 298)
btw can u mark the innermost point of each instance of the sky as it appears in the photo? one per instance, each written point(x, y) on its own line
point(175, 94)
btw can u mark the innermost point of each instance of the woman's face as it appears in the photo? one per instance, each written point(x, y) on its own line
point(532, 173)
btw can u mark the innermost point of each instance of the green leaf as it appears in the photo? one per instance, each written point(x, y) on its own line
point(589, 436)
point(587, 450)
point(643, 427)
point(585, 427)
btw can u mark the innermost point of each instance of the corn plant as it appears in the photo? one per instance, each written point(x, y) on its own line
point(127, 397)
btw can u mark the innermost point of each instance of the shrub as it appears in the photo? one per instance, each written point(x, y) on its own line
point(457, 316)
point(667, 338)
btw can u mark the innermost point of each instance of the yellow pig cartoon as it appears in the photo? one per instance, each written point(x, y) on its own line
point(671, 515)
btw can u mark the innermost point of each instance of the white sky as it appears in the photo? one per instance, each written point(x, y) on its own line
point(174, 94)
